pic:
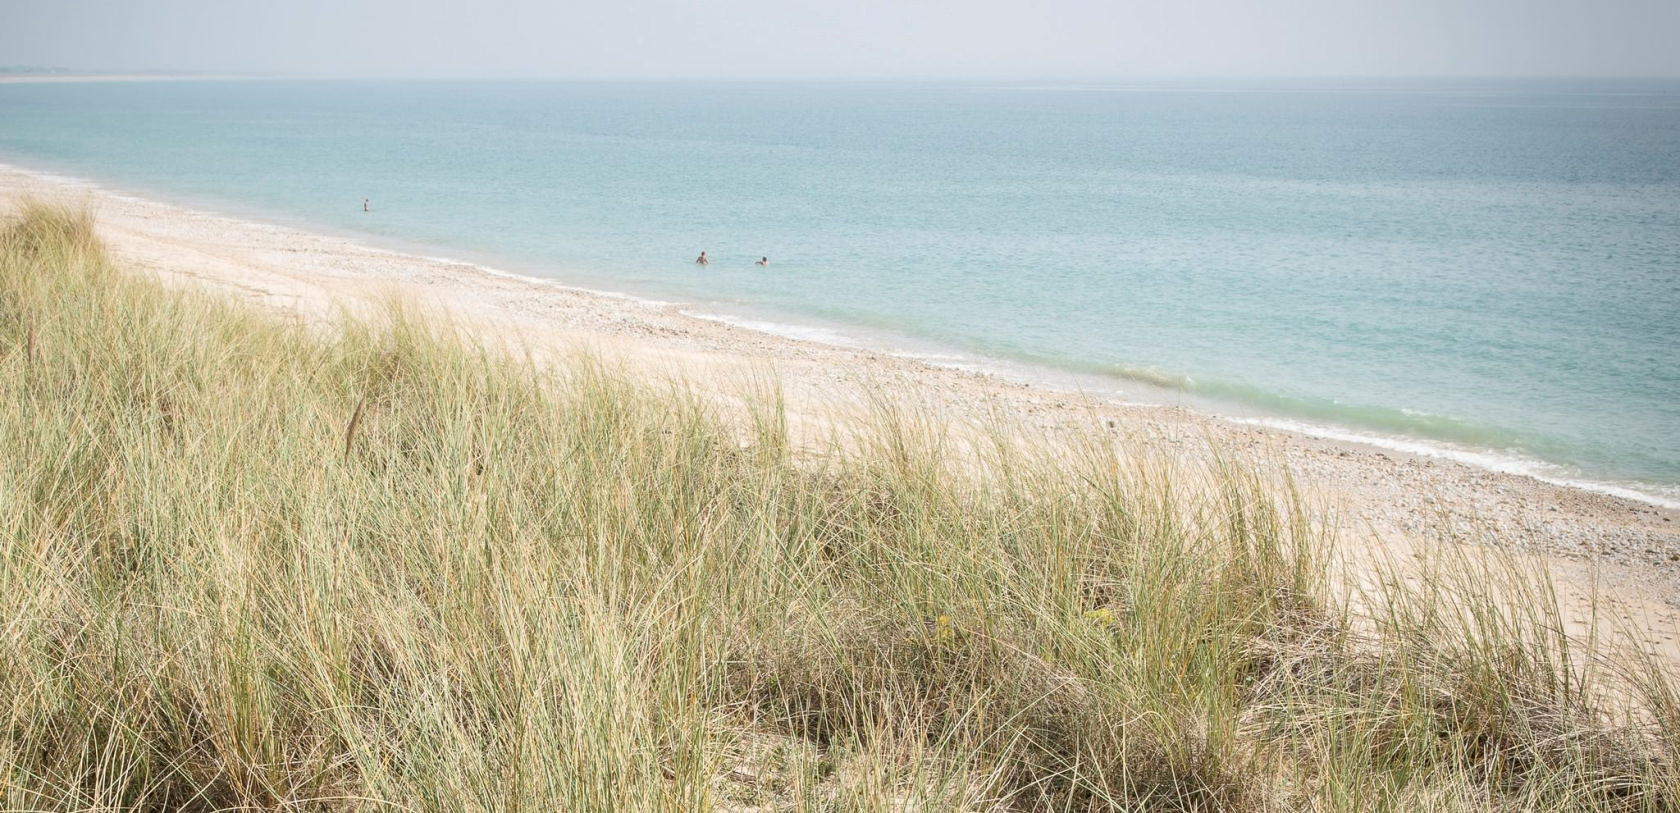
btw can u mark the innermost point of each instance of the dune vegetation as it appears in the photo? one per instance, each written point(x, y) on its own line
point(251, 564)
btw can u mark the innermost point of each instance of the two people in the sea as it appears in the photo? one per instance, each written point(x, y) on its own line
point(703, 260)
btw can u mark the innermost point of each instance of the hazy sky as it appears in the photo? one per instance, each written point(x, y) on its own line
point(849, 38)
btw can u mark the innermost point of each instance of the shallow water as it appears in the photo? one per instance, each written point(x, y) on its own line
point(1490, 265)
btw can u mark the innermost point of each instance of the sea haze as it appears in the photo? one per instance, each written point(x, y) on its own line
point(1487, 265)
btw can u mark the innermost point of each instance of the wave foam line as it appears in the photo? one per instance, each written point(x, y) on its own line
point(1488, 461)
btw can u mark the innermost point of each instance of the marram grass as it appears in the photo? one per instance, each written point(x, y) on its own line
point(245, 565)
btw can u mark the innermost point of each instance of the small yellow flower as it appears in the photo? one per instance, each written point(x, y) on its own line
point(1103, 616)
point(942, 630)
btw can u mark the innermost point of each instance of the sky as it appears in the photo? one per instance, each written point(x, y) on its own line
point(810, 39)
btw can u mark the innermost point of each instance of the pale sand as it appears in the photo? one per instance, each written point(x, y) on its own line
point(1386, 504)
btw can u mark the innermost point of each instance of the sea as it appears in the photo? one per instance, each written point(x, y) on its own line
point(1487, 270)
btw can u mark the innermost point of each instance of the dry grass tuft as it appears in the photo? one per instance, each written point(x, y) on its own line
point(243, 566)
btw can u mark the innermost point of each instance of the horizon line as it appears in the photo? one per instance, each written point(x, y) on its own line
point(62, 74)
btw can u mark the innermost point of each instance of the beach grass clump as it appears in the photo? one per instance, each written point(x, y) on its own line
point(248, 564)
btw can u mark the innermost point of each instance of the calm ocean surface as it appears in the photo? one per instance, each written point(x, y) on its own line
point(1489, 267)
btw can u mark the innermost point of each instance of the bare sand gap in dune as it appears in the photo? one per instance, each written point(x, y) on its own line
point(1387, 504)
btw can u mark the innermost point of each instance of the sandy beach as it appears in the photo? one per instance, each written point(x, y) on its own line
point(1384, 502)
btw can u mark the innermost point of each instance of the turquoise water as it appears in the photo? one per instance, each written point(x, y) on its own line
point(1489, 265)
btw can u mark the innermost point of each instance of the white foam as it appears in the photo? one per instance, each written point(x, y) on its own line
point(951, 361)
point(53, 177)
point(1486, 460)
point(804, 333)
point(528, 279)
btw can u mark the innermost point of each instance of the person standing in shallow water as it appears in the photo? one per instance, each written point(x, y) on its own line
point(364, 204)
point(701, 260)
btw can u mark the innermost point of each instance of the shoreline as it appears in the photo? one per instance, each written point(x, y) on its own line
point(1383, 498)
point(1116, 389)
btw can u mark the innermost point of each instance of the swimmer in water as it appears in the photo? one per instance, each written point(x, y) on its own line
point(764, 261)
point(701, 260)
